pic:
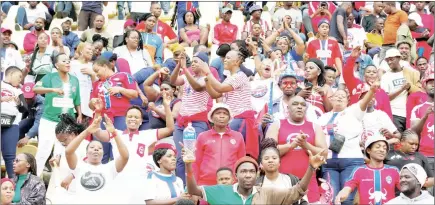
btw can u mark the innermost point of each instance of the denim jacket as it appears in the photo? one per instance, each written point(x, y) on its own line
point(33, 190)
point(36, 112)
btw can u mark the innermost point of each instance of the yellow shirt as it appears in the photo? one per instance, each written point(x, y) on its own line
point(375, 38)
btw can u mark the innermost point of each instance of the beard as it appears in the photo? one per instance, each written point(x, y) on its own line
point(430, 94)
point(38, 28)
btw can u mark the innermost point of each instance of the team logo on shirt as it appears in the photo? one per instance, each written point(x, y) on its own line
point(233, 141)
point(92, 181)
point(430, 129)
point(259, 91)
point(377, 195)
point(292, 137)
point(7, 93)
point(140, 149)
point(388, 179)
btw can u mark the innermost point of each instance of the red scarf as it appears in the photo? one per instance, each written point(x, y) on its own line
point(252, 145)
point(182, 121)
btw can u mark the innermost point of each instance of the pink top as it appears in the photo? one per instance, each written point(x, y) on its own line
point(193, 35)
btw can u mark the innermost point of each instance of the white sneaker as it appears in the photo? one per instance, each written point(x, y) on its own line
point(18, 27)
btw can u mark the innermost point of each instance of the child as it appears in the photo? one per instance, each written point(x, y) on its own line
point(329, 76)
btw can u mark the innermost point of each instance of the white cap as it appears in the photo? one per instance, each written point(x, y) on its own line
point(416, 17)
point(66, 19)
point(217, 106)
point(417, 171)
point(392, 52)
point(375, 138)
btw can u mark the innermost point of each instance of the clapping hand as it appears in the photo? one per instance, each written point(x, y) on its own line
point(108, 124)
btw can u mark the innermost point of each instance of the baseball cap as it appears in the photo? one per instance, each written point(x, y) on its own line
point(218, 106)
point(416, 17)
point(226, 9)
point(375, 138)
point(6, 30)
point(417, 171)
point(392, 52)
point(255, 8)
point(66, 19)
point(129, 22)
point(28, 90)
point(287, 73)
point(322, 21)
point(243, 160)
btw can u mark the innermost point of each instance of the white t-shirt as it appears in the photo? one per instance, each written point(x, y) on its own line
point(392, 82)
point(63, 164)
point(282, 182)
point(33, 14)
point(94, 182)
point(348, 124)
point(10, 108)
point(158, 186)
point(376, 120)
point(260, 93)
point(295, 14)
point(85, 83)
point(137, 59)
point(356, 37)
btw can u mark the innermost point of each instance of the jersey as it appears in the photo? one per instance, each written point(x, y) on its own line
point(427, 133)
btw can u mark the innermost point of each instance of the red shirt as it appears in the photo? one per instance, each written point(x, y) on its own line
point(114, 105)
point(225, 32)
point(414, 99)
point(316, 19)
point(287, 133)
point(214, 151)
point(327, 55)
point(164, 30)
point(30, 40)
point(427, 134)
point(375, 185)
point(428, 22)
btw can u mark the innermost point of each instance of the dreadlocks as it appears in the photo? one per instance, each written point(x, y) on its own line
point(68, 125)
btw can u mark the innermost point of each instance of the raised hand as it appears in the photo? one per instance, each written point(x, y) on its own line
point(356, 52)
point(317, 160)
point(166, 99)
point(95, 126)
point(109, 124)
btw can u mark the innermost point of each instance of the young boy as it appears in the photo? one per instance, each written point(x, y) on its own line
point(224, 175)
point(329, 76)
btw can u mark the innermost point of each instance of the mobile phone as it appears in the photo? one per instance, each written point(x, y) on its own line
point(308, 85)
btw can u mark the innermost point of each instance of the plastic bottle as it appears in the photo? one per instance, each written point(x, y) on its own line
point(189, 141)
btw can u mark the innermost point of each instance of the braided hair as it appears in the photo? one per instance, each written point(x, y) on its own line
point(267, 144)
point(32, 161)
point(68, 125)
point(98, 37)
point(408, 134)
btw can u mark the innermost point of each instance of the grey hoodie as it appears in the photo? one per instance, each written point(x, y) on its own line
point(424, 198)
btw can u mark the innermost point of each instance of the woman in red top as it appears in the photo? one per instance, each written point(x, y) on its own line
point(115, 90)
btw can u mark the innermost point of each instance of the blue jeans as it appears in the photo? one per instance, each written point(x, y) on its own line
point(120, 6)
point(340, 169)
point(239, 126)
point(64, 6)
point(166, 6)
point(6, 6)
point(25, 125)
point(22, 17)
point(178, 137)
point(119, 123)
point(9, 147)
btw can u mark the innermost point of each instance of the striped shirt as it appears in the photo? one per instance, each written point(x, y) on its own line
point(239, 99)
point(193, 102)
point(264, 26)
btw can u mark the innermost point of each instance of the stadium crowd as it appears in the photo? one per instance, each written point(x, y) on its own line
point(290, 102)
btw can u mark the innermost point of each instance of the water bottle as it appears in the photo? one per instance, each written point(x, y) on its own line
point(189, 141)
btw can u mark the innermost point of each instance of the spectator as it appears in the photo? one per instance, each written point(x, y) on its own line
point(8, 191)
point(294, 136)
point(236, 45)
point(88, 15)
point(425, 15)
point(157, 114)
point(246, 170)
point(405, 49)
point(151, 41)
point(164, 187)
point(412, 178)
point(13, 104)
point(376, 149)
point(69, 39)
point(369, 22)
point(65, 10)
point(133, 51)
point(193, 102)
point(294, 13)
point(355, 34)
point(192, 34)
point(97, 28)
point(9, 57)
point(407, 153)
point(180, 10)
point(30, 39)
point(137, 146)
point(420, 33)
point(62, 95)
point(224, 176)
point(321, 13)
point(418, 97)
point(227, 148)
point(162, 28)
point(269, 174)
point(57, 42)
point(338, 29)
point(31, 119)
point(329, 75)
point(405, 6)
point(225, 32)
point(95, 192)
point(115, 90)
point(394, 20)
point(29, 188)
point(399, 82)
point(422, 120)
point(325, 48)
point(375, 38)
point(99, 44)
point(26, 18)
point(118, 40)
point(41, 62)
point(255, 13)
point(82, 69)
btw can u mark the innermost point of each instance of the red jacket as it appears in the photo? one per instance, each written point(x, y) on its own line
point(213, 152)
point(30, 40)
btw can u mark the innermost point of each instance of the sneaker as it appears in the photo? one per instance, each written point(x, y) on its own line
point(18, 27)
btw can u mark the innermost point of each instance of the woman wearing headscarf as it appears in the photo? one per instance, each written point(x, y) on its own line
point(7, 191)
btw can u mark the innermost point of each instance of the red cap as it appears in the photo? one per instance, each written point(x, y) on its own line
point(243, 160)
point(428, 75)
point(140, 26)
point(5, 30)
point(164, 145)
point(28, 90)
point(129, 22)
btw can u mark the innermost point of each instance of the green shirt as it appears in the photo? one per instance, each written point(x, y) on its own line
point(226, 194)
point(57, 104)
point(20, 182)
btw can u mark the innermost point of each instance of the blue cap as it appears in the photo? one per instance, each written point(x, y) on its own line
point(203, 56)
point(170, 64)
point(106, 55)
point(323, 21)
point(255, 8)
point(287, 73)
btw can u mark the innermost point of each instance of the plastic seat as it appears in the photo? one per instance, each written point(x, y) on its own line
point(27, 149)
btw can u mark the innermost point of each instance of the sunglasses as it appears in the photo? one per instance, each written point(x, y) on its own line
point(282, 38)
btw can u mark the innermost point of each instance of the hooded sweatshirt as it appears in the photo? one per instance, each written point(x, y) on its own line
point(424, 198)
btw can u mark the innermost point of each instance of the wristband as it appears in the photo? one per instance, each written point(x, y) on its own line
point(112, 134)
point(189, 174)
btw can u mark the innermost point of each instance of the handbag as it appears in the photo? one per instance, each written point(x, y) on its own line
point(337, 143)
point(7, 120)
